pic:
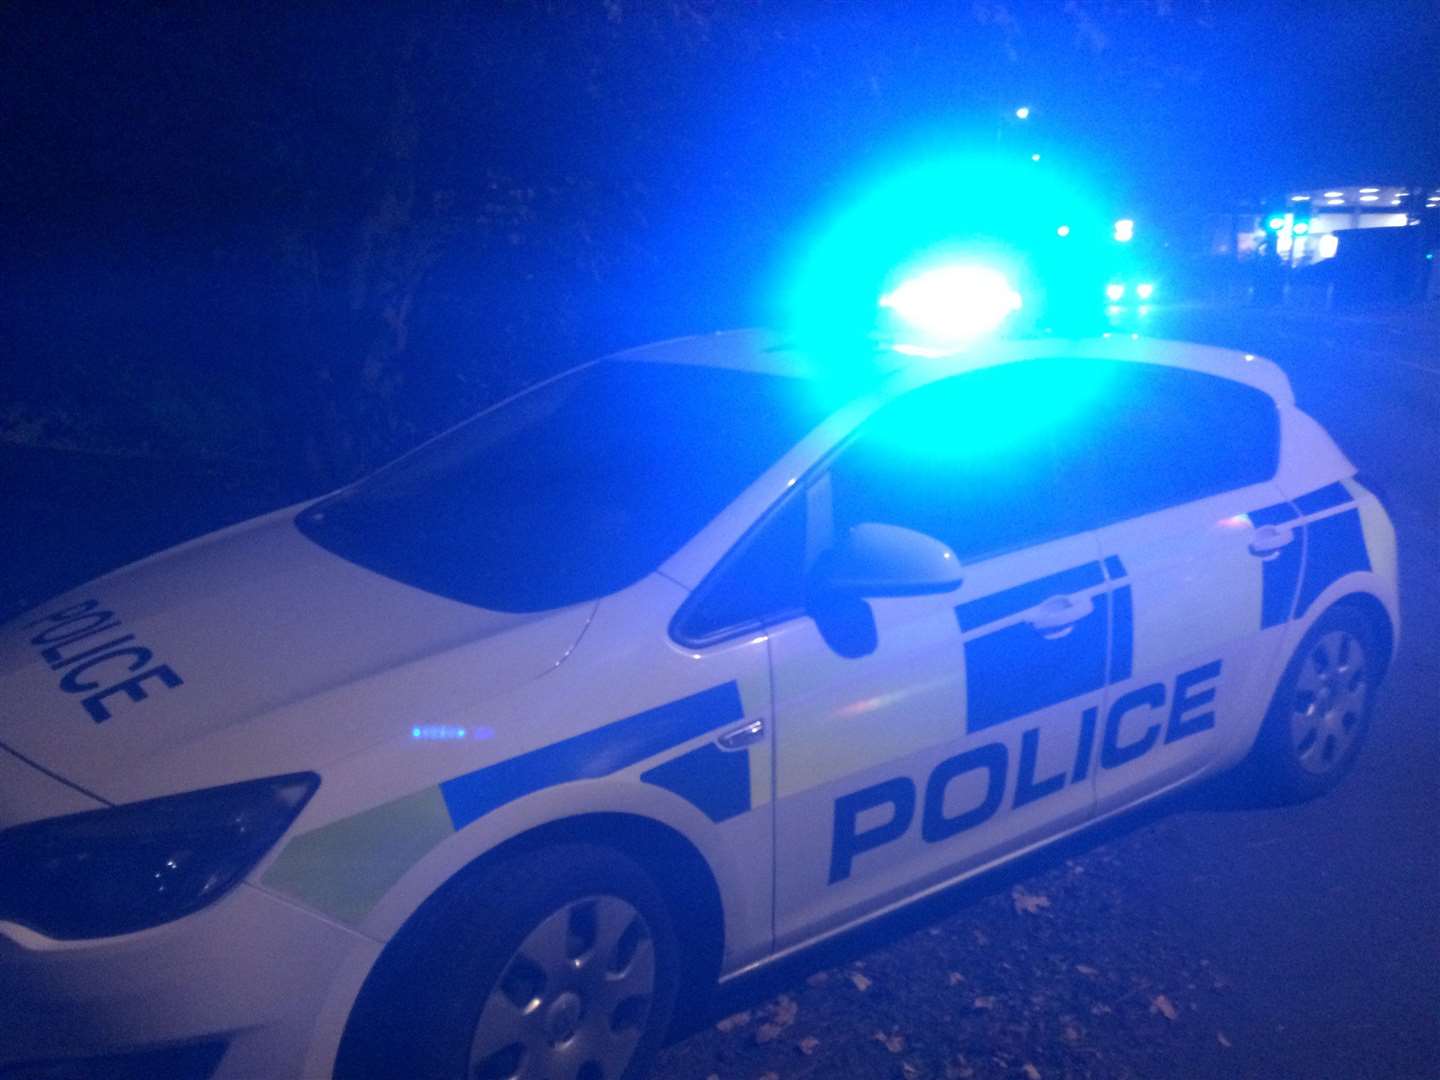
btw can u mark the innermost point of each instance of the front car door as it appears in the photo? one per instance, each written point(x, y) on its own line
point(921, 736)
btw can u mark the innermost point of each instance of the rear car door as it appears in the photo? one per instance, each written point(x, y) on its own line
point(1198, 543)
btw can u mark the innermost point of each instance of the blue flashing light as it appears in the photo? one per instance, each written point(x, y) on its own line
point(916, 209)
point(952, 305)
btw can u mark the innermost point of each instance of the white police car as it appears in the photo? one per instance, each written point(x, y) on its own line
point(669, 666)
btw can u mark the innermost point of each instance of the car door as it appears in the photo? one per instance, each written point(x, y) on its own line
point(1193, 530)
point(917, 736)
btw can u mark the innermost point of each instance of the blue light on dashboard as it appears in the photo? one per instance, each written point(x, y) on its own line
point(951, 305)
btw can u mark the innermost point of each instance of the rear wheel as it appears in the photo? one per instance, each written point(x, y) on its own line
point(558, 964)
point(1320, 714)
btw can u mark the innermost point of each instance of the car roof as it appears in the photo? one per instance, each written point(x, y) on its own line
point(765, 351)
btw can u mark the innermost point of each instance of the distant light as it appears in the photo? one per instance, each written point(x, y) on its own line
point(1334, 194)
point(1114, 291)
point(1368, 190)
point(1124, 231)
point(1329, 245)
point(1276, 223)
point(1063, 230)
point(953, 304)
point(1369, 198)
point(1034, 157)
point(1334, 202)
point(1022, 113)
point(1299, 198)
point(1145, 290)
point(1300, 228)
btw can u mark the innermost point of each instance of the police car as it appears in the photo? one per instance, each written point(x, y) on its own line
point(668, 667)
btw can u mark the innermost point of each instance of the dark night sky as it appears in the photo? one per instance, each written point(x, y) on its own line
point(213, 189)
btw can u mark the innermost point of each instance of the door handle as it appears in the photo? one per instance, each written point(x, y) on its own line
point(1269, 540)
point(742, 736)
point(1057, 616)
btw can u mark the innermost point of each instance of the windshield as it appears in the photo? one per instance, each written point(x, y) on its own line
point(570, 491)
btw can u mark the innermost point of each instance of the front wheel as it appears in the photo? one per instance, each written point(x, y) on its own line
point(1320, 714)
point(558, 964)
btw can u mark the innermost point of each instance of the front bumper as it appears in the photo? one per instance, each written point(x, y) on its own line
point(268, 981)
point(252, 971)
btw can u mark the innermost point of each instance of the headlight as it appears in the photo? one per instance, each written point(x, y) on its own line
point(139, 865)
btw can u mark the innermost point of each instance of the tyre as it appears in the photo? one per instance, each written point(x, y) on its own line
point(1320, 714)
point(556, 964)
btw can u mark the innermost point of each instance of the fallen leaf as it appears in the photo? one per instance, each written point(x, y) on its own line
point(955, 978)
point(809, 1044)
point(820, 978)
point(1086, 969)
point(1027, 903)
point(1030, 1071)
point(1221, 1039)
point(984, 1002)
point(894, 1042)
point(1161, 1004)
point(860, 981)
point(733, 1021)
point(767, 1033)
point(783, 1012)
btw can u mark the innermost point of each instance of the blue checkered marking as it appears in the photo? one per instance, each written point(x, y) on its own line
point(1014, 670)
point(715, 781)
point(595, 753)
point(1280, 575)
point(1334, 546)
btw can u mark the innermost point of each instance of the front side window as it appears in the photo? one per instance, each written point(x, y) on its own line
point(572, 490)
point(967, 460)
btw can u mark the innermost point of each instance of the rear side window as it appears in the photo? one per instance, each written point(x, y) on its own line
point(1164, 436)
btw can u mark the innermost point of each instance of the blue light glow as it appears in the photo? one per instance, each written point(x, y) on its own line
point(1145, 290)
point(934, 209)
point(1114, 291)
point(951, 305)
point(449, 732)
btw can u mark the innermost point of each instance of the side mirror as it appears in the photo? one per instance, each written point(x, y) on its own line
point(885, 560)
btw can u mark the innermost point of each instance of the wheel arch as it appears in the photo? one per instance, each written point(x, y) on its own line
point(1376, 615)
point(676, 866)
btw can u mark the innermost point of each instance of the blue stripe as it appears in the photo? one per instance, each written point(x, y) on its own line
point(1323, 498)
point(996, 606)
point(714, 780)
point(1015, 671)
point(1114, 568)
point(1334, 547)
point(600, 752)
point(1272, 515)
point(1122, 635)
